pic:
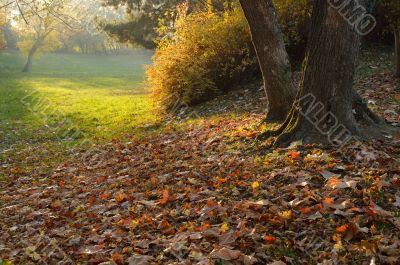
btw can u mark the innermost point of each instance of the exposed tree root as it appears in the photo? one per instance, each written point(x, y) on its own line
point(363, 113)
point(297, 128)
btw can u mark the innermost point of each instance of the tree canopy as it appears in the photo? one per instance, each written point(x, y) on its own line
point(3, 22)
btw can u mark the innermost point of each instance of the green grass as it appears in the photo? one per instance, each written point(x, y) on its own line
point(70, 97)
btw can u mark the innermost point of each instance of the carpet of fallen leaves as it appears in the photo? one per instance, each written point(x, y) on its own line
point(211, 194)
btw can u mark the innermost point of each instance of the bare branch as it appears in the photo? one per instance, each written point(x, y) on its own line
point(22, 13)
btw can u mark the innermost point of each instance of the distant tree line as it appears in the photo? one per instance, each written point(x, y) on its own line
point(145, 18)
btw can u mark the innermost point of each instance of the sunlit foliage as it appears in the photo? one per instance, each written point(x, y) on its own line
point(294, 19)
point(207, 53)
point(50, 43)
point(3, 21)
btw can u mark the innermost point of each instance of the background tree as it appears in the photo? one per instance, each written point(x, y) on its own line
point(144, 17)
point(88, 37)
point(392, 13)
point(3, 22)
point(40, 25)
point(141, 22)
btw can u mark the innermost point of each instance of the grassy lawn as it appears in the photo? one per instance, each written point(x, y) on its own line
point(69, 99)
point(100, 96)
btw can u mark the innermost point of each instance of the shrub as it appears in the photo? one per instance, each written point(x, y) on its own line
point(294, 19)
point(204, 57)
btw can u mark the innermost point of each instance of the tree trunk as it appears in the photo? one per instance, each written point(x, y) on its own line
point(397, 51)
point(28, 65)
point(274, 62)
point(323, 110)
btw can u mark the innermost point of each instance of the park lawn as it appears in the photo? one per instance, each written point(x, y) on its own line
point(102, 96)
point(71, 99)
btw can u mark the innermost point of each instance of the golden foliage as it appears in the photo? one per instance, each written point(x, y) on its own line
point(294, 17)
point(3, 21)
point(206, 52)
point(50, 43)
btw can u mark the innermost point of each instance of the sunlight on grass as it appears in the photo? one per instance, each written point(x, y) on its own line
point(103, 96)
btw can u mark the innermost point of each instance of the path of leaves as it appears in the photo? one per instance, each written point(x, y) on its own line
point(208, 195)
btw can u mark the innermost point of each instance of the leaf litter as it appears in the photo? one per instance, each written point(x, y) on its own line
point(208, 195)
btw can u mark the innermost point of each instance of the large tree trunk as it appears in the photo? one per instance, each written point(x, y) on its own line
point(397, 51)
point(274, 62)
point(28, 65)
point(323, 111)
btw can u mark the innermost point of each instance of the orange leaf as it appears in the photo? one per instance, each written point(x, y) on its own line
point(295, 155)
point(106, 195)
point(121, 197)
point(305, 210)
point(165, 197)
point(116, 258)
point(342, 229)
point(270, 239)
point(212, 203)
point(203, 227)
point(221, 181)
point(333, 182)
point(61, 183)
point(328, 200)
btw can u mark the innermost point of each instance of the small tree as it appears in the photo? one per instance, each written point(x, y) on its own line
point(33, 43)
point(40, 25)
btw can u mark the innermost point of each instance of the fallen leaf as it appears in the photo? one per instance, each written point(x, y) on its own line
point(270, 239)
point(224, 228)
point(255, 185)
point(342, 229)
point(165, 197)
point(295, 155)
point(225, 254)
point(56, 204)
point(121, 197)
point(140, 260)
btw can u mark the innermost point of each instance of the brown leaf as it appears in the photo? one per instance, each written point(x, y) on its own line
point(225, 254)
point(166, 228)
point(140, 260)
point(56, 204)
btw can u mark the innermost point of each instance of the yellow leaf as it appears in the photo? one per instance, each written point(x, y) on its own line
point(255, 185)
point(224, 228)
point(134, 224)
point(338, 245)
point(286, 214)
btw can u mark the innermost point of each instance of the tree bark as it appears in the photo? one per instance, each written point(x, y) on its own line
point(274, 62)
point(323, 110)
point(28, 65)
point(397, 51)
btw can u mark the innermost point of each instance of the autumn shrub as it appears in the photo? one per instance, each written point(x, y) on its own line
point(207, 54)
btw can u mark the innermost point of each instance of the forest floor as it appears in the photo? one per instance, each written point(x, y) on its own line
point(204, 191)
